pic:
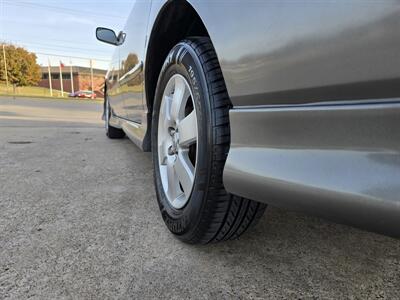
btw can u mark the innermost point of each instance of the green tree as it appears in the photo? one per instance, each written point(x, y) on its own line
point(130, 62)
point(127, 65)
point(22, 69)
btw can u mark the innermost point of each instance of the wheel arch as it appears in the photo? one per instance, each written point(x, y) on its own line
point(175, 21)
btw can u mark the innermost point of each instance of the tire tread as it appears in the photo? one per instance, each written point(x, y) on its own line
point(225, 216)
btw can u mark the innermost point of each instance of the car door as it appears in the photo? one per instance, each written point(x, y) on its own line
point(131, 61)
point(113, 88)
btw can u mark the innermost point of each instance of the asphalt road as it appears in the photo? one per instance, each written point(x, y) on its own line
point(79, 220)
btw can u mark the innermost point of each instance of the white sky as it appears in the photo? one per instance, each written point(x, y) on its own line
point(63, 27)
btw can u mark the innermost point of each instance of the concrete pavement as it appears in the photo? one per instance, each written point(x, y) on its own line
point(79, 220)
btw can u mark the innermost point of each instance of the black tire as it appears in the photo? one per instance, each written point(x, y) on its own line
point(111, 132)
point(211, 213)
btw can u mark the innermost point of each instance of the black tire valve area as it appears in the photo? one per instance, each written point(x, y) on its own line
point(211, 214)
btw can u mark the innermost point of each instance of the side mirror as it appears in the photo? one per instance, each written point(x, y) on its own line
point(108, 36)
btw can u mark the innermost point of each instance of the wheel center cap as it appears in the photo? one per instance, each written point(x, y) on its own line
point(175, 142)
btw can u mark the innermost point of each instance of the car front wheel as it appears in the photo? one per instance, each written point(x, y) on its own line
point(190, 143)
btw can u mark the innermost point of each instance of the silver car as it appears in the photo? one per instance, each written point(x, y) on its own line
point(295, 104)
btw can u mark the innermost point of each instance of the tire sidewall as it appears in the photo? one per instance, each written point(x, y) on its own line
point(184, 61)
point(107, 115)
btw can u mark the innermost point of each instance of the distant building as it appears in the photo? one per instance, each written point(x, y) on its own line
point(81, 79)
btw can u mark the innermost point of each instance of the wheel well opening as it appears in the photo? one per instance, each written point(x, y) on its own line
point(176, 21)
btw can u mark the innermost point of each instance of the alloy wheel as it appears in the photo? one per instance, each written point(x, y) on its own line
point(177, 141)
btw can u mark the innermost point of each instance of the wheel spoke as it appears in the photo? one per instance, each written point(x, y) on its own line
point(173, 184)
point(187, 129)
point(163, 152)
point(180, 95)
point(165, 111)
point(185, 172)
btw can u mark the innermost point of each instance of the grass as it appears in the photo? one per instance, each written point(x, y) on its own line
point(33, 91)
